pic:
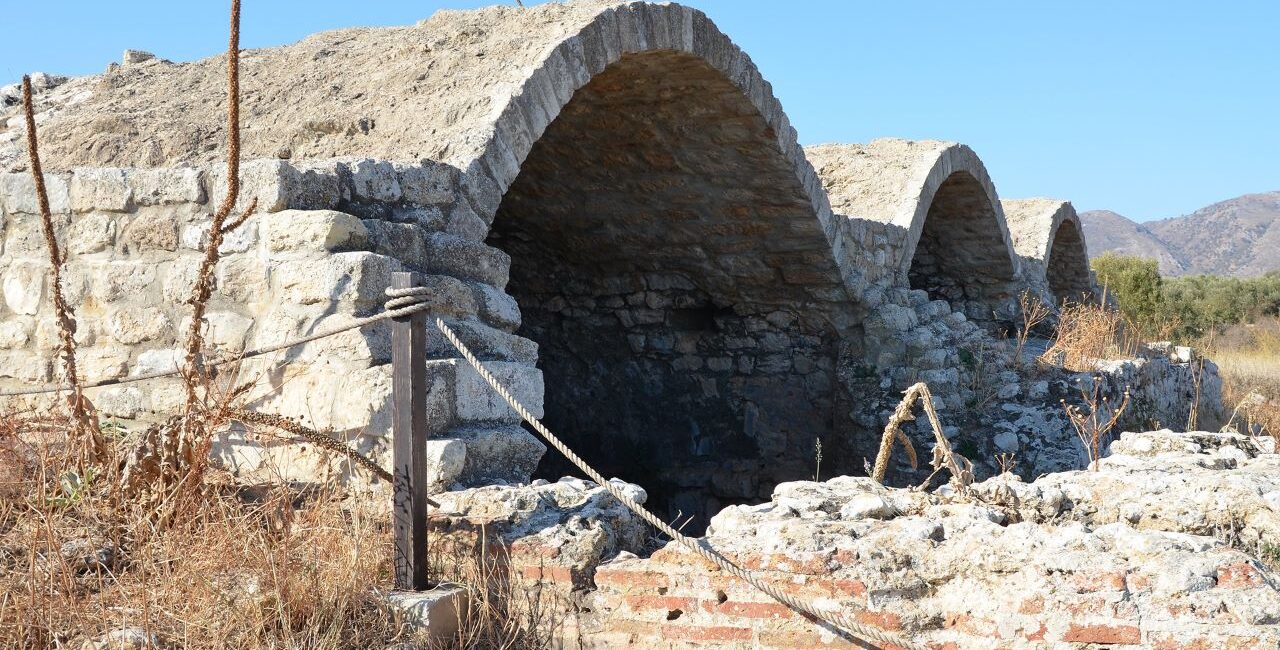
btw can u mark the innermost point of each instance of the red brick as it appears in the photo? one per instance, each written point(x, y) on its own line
point(752, 609)
point(1036, 634)
point(1032, 606)
point(1241, 575)
point(664, 603)
point(1087, 582)
point(1101, 633)
point(885, 620)
point(631, 578)
point(705, 633)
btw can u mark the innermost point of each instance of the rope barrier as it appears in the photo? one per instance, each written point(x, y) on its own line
point(404, 302)
point(836, 619)
point(395, 309)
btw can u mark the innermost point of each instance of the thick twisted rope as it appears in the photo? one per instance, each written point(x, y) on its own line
point(837, 619)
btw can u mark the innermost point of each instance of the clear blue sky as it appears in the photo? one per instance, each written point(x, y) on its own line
point(1151, 109)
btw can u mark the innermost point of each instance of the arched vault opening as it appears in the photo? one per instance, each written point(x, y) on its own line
point(669, 264)
point(1067, 269)
point(961, 256)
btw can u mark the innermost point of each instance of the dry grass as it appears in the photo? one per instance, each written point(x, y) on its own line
point(257, 567)
point(1088, 333)
point(1248, 358)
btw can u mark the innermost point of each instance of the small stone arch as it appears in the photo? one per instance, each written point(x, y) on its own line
point(1048, 236)
point(938, 212)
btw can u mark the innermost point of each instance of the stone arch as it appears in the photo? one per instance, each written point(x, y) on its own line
point(672, 256)
point(1048, 236)
point(936, 209)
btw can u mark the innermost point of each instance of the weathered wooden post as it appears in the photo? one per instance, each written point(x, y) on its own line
point(409, 442)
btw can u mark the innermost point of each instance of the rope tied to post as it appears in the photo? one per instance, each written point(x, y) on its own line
point(402, 298)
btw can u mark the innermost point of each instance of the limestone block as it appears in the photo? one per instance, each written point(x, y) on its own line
point(370, 344)
point(24, 287)
point(265, 180)
point(18, 191)
point(163, 360)
point(25, 366)
point(429, 218)
point(485, 342)
point(427, 184)
point(338, 396)
point(91, 233)
point(133, 325)
point(224, 331)
point(48, 339)
point(496, 307)
point(14, 333)
point(477, 402)
point(166, 186)
point(375, 180)
point(100, 188)
point(508, 454)
point(180, 277)
point(116, 280)
point(452, 255)
point(465, 223)
point(406, 242)
point(240, 240)
point(240, 278)
point(102, 362)
point(151, 231)
point(120, 402)
point(24, 236)
point(358, 277)
point(313, 231)
point(446, 460)
point(313, 185)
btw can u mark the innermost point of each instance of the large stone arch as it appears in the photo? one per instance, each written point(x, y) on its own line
point(937, 205)
point(672, 257)
point(1048, 237)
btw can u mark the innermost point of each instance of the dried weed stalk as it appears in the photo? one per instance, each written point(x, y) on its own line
point(943, 457)
point(1089, 333)
point(318, 438)
point(84, 418)
point(1094, 421)
point(1034, 312)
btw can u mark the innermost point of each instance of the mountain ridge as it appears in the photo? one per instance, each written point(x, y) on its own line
point(1237, 237)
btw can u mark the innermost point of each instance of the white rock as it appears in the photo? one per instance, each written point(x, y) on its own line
point(24, 287)
point(313, 231)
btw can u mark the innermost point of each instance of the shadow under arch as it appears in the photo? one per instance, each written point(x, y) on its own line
point(668, 259)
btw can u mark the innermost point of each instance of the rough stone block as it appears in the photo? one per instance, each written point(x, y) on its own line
point(126, 402)
point(116, 280)
point(18, 191)
point(100, 188)
point(427, 184)
point(151, 231)
point(477, 402)
point(375, 180)
point(91, 233)
point(103, 362)
point(452, 255)
point(24, 366)
point(134, 325)
point(508, 454)
point(312, 231)
point(23, 286)
point(358, 277)
point(14, 333)
point(166, 186)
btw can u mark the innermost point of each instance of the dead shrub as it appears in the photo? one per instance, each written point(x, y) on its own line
point(1089, 333)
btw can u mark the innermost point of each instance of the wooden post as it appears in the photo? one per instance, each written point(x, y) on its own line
point(409, 443)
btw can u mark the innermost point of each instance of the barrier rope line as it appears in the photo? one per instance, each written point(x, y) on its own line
point(404, 302)
point(396, 308)
point(837, 619)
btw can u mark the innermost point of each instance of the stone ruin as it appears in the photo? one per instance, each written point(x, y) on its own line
point(617, 217)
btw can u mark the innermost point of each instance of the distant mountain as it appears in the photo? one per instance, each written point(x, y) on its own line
point(1106, 231)
point(1239, 237)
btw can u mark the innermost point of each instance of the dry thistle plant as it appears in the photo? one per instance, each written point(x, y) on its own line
point(1088, 334)
point(169, 463)
point(1034, 312)
point(85, 433)
point(943, 457)
point(1094, 421)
